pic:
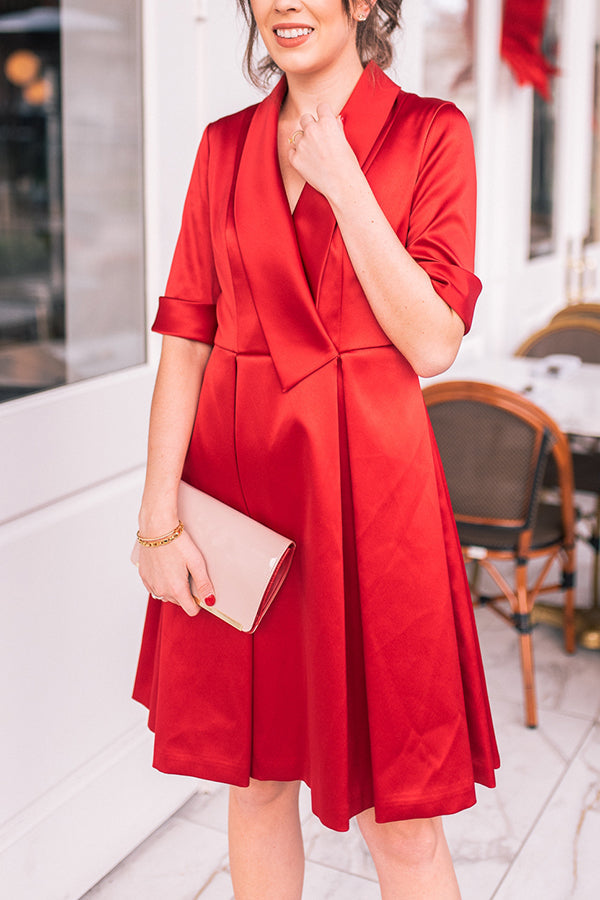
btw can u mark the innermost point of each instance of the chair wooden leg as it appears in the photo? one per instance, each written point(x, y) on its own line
point(569, 607)
point(523, 625)
point(526, 648)
point(595, 544)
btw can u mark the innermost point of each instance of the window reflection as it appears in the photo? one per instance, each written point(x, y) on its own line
point(545, 112)
point(31, 207)
point(71, 225)
point(593, 236)
point(450, 53)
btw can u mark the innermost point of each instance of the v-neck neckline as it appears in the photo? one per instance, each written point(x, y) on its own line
point(282, 88)
point(358, 134)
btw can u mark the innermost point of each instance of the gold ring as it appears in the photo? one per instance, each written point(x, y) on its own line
point(292, 139)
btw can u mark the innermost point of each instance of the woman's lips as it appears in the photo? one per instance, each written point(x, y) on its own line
point(292, 35)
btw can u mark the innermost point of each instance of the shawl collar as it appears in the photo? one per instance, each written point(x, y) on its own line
point(274, 267)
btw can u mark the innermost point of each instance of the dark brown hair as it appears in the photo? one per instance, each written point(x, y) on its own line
point(372, 38)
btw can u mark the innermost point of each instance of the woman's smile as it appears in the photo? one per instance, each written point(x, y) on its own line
point(304, 38)
point(292, 35)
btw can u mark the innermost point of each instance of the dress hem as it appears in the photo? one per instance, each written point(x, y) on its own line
point(218, 771)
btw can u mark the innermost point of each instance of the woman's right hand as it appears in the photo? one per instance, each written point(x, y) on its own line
point(165, 572)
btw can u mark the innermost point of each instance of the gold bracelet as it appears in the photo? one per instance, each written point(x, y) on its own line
point(160, 541)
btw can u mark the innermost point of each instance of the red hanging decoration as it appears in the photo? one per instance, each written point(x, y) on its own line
point(522, 34)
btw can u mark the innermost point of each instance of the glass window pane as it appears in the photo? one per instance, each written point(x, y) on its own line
point(593, 236)
point(450, 53)
point(71, 215)
point(545, 112)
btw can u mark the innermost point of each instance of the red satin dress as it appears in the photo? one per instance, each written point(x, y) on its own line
point(365, 678)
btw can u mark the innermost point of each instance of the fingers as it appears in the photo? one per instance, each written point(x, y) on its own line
point(179, 595)
point(319, 127)
point(190, 598)
point(188, 604)
point(200, 585)
point(324, 111)
point(306, 121)
point(202, 589)
point(167, 574)
point(168, 586)
point(197, 589)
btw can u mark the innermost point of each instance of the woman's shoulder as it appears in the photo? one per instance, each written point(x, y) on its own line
point(227, 127)
point(425, 110)
point(427, 122)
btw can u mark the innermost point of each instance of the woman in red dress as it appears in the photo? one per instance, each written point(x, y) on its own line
point(324, 263)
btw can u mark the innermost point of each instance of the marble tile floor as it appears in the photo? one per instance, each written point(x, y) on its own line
point(536, 837)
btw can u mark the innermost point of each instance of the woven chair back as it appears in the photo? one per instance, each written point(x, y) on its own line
point(494, 462)
point(577, 336)
point(493, 459)
point(578, 311)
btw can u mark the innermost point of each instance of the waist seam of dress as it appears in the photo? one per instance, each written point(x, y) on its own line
point(266, 355)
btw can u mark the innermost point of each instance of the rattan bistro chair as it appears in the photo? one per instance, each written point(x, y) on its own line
point(578, 336)
point(578, 311)
point(494, 446)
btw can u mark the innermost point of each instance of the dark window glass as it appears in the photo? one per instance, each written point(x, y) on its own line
point(593, 236)
point(71, 222)
point(545, 112)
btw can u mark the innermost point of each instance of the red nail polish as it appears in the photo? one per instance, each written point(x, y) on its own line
point(210, 600)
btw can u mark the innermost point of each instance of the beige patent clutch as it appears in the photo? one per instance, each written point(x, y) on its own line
point(246, 561)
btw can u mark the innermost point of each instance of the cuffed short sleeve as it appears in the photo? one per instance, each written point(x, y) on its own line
point(441, 235)
point(191, 319)
point(188, 308)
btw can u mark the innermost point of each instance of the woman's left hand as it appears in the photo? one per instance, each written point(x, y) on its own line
point(322, 155)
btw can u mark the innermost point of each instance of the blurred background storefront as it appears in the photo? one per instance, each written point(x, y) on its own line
point(102, 103)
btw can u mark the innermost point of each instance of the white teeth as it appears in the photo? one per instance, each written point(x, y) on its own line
point(292, 32)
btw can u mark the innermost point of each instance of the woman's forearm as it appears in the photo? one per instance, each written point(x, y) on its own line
point(174, 405)
point(415, 318)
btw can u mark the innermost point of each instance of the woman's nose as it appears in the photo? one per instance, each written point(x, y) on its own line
point(282, 6)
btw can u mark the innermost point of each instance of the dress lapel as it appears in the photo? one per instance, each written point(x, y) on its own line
point(365, 117)
point(273, 263)
point(298, 342)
